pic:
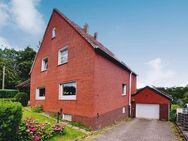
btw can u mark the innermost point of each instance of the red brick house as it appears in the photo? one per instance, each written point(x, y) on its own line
point(75, 74)
point(151, 103)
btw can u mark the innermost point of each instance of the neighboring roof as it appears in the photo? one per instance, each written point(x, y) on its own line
point(153, 88)
point(93, 42)
point(24, 84)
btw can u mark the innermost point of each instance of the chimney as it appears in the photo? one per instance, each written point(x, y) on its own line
point(85, 28)
point(95, 35)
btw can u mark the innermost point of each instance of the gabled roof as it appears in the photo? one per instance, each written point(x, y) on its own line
point(100, 48)
point(153, 88)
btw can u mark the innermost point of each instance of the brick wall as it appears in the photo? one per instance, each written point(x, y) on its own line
point(80, 68)
point(99, 81)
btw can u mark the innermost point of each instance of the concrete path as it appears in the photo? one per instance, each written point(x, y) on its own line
point(140, 130)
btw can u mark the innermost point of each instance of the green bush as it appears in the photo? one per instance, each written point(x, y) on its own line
point(37, 108)
point(22, 98)
point(8, 99)
point(173, 112)
point(10, 119)
point(8, 93)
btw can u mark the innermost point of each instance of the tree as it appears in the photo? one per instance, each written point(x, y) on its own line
point(24, 62)
point(185, 99)
point(18, 65)
point(11, 77)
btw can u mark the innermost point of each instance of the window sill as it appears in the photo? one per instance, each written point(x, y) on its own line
point(43, 70)
point(72, 97)
point(40, 99)
point(62, 64)
point(123, 94)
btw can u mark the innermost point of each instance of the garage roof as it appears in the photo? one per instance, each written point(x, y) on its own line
point(155, 89)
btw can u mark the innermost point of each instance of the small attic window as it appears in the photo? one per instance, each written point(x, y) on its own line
point(53, 32)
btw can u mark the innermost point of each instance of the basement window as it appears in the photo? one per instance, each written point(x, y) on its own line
point(53, 32)
point(44, 65)
point(63, 56)
point(67, 117)
point(40, 93)
point(67, 91)
point(123, 110)
point(124, 89)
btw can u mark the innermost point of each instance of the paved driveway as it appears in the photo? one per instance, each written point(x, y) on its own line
point(140, 130)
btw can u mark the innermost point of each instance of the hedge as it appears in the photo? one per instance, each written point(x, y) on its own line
point(10, 118)
point(8, 99)
point(8, 93)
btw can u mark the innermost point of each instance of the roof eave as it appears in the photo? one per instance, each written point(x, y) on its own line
point(105, 54)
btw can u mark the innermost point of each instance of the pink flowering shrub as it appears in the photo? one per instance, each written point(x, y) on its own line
point(32, 130)
point(58, 128)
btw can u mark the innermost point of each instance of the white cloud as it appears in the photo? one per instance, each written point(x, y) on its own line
point(22, 14)
point(157, 73)
point(26, 16)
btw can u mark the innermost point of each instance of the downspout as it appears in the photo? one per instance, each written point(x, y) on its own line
point(130, 87)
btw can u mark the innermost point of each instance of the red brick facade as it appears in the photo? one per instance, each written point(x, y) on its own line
point(149, 96)
point(99, 81)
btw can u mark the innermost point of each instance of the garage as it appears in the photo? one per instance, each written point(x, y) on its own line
point(151, 103)
point(147, 111)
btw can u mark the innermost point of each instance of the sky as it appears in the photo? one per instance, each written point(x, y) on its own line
point(150, 36)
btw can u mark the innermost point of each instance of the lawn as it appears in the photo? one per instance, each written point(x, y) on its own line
point(69, 133)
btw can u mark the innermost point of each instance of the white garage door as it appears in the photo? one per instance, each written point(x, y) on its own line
point(148, 111)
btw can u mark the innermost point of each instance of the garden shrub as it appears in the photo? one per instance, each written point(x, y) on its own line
point(173, 112)
point(8, 99)
point(8, 93)
point(22, 98)
point(37, 108)
point(32, 130)
point(10, 118)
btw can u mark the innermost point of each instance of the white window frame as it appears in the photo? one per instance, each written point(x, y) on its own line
point(67, 117)
point(123, 110)
point(53, 32)
point(37, 97)
point(66, 97)
point(124, 89)
point(42, 64)
point(59, 55)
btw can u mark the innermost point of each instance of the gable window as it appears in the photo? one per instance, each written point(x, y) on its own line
point(44, 64)
point(53, 32)
point(40, 93)
point(63, 56)
point(124, 89)
point(67, 91)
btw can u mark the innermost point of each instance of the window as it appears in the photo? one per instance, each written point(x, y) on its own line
point(44, 64)
point(67, 117)
point(40, 93)
point(67, 91)
point(62, 56)
point(123, 110)
point(124, 89)
point(53, 32)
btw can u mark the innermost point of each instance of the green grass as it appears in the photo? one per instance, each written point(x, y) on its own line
point(80, 125)
point(69, 133)
point(38, 116)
